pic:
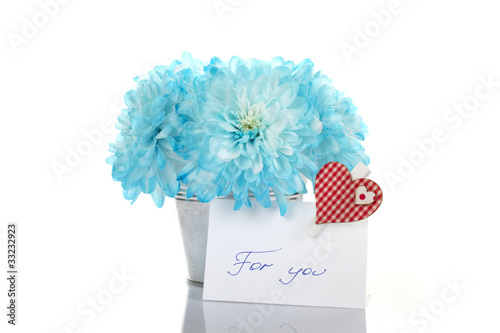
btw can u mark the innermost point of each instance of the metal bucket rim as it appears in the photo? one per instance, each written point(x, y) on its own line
point(182, 195)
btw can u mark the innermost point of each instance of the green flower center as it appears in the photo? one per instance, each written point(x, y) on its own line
point(251, 121)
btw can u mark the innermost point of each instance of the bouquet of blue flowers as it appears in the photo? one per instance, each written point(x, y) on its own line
point(232, 128)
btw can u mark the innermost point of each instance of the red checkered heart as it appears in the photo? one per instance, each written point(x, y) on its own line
point(336, 200)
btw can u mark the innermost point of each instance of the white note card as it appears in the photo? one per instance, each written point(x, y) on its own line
point(256, 256)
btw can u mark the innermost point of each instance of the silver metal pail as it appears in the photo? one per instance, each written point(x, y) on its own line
point(193, 219)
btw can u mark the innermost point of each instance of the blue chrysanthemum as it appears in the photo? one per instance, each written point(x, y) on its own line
point(248, 130)
point(236, 127)
point(342, 129)
point(143, 157)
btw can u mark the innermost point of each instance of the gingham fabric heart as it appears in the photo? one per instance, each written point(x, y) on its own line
point(336, 195)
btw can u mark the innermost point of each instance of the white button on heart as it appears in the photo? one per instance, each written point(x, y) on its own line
point(363, 197)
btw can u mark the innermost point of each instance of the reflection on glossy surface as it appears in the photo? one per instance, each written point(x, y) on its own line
point(216, 317)
point(194, 320)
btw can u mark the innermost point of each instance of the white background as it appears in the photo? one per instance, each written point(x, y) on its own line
point(439, 224)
